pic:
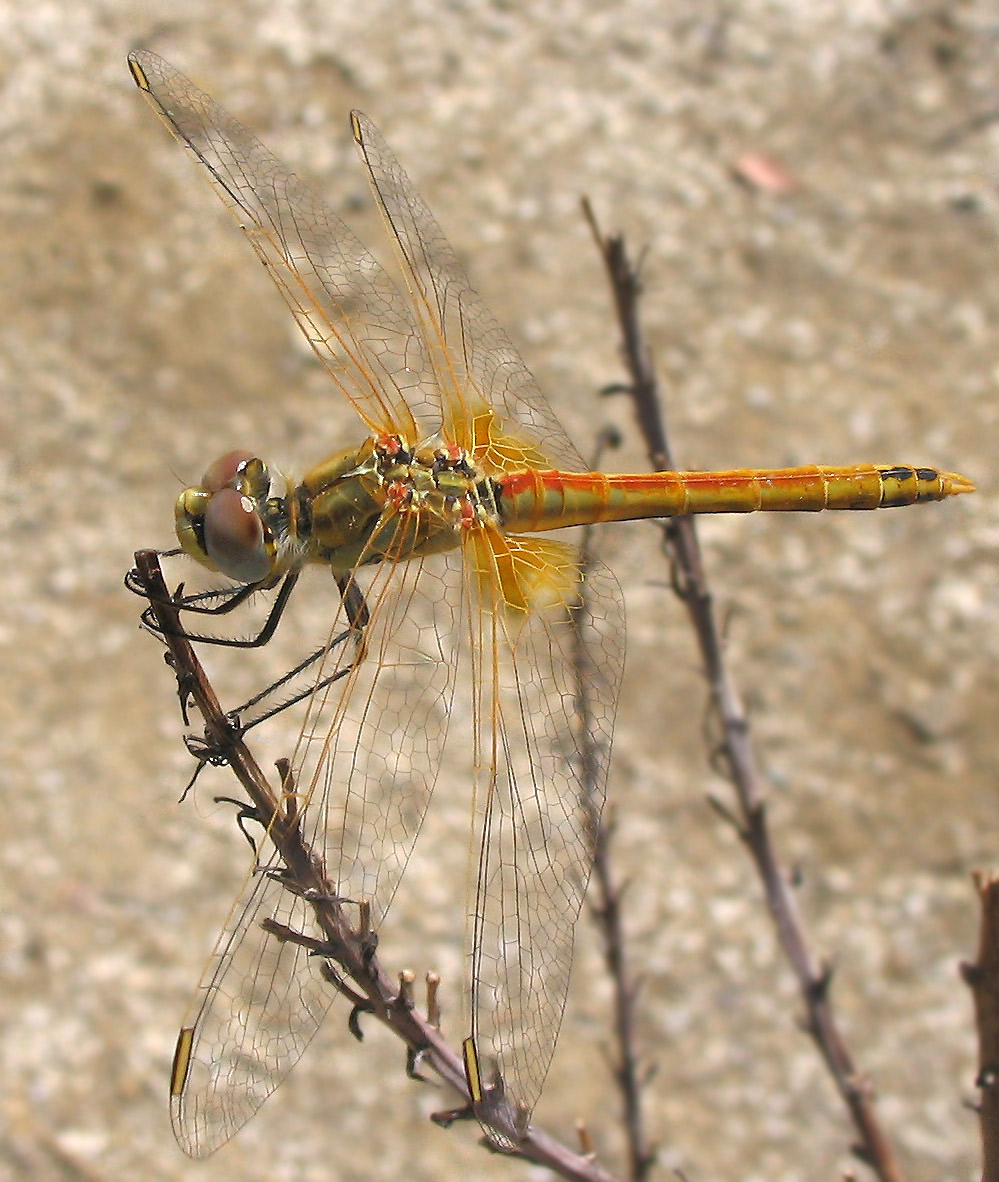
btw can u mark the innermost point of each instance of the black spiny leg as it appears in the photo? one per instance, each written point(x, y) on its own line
point(356, 611)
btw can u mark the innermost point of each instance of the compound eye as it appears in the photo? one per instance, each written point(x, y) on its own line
point(224, 470)
point(234, 536)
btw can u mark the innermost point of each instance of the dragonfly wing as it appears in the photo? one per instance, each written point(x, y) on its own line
point(547, 689)
point(365, 766)
point(370, 748)
point(352, 314)
point(487, 391)
point(259, 1003)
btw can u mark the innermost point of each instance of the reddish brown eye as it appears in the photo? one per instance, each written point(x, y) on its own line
point(234, 537)
point(219, 474)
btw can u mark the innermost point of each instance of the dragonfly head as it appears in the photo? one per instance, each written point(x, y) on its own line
point(227, 523)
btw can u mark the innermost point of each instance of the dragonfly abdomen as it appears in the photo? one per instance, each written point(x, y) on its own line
point(540, 500)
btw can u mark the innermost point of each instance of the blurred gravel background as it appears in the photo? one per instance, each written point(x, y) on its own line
point(850, 315)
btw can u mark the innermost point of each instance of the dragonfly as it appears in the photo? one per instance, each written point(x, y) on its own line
point(438, 521)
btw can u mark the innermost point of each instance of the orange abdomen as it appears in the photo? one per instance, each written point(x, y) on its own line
point(539, 500)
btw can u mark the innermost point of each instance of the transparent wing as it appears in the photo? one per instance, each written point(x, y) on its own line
point(486, 389)
point(365, 766)
point(369, 754)
point(352, 314)
point(550, 658)
point(258, 1005)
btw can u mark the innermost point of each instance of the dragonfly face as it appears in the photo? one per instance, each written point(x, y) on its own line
point(231, 523)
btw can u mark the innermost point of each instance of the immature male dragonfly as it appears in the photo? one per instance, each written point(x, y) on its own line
point(432, 517)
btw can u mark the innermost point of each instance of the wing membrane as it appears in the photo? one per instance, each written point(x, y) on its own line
point(480, 373)
point(365, 764)
point(545, 701)
point(259, 1003)
point(352, 314)
point(369, 753)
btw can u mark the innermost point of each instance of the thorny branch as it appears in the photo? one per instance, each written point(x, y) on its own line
point(358, 974)
point(749, 816)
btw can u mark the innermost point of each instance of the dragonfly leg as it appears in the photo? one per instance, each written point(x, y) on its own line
point(220, 602)
point(261, 705)
point(356, 611)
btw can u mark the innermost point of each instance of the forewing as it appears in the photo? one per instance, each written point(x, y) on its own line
point(352, 314)
point(547, 686)
point(364, 767)
point(258, 1005)
point(487, 392)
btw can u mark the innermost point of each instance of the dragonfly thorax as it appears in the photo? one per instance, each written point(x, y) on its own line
point(385, 500)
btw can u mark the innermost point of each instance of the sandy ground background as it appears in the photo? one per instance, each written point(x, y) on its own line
point(853, 318)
